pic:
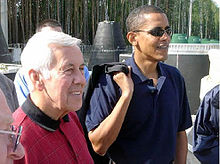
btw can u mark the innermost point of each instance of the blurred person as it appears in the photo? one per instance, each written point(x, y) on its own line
point(142, 117)
point(49, 25)
point(20, 80)
point(10, 149)
point(52, 133)
point(8, 88)
point(213, 78)
point(206, 128)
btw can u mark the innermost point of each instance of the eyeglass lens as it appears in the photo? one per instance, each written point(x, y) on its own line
point(158, 31)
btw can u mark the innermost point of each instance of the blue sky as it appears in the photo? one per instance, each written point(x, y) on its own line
point(217, 2)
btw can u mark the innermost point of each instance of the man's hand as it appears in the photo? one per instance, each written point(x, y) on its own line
point(124, 82)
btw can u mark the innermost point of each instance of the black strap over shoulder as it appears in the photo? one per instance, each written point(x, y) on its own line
point(107, 68)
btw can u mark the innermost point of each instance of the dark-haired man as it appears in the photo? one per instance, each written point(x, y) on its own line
point(49, 24)
point(142, 117)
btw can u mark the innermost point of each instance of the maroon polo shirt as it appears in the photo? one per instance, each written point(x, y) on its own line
point(50, 141)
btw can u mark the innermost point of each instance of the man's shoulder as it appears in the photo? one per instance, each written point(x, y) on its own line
point(31, 131)
point(213, 94)
point(170, 71)
point(4, 80)
point(18, 116)
point(169, 68)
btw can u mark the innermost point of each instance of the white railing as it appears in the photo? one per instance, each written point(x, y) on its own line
point(193, 49)
point(186, 49)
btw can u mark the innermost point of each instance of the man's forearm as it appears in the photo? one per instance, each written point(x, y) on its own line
point(181, 148)
point(106, 133)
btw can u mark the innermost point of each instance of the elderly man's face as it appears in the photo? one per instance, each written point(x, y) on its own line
point(6, 143)
point(65, 86)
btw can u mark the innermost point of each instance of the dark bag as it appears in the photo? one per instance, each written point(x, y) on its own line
point(107, 68)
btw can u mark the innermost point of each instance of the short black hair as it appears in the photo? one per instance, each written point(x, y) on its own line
point(135, 18)
point(48, 23)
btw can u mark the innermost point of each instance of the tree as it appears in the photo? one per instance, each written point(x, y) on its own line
point(80, 18)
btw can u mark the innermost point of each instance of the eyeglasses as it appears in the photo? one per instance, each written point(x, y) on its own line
point(14, 135)
point(157, 31)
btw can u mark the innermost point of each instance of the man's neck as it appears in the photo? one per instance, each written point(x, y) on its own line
point(147, 67)
point(45, 106)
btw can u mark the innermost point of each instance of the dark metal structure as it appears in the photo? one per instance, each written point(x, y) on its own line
point(108, 43)
point(4, 53)
point(193, 68)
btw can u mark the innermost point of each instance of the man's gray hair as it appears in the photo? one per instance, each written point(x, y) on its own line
point(37, 54)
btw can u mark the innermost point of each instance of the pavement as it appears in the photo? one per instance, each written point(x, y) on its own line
point(191, 159)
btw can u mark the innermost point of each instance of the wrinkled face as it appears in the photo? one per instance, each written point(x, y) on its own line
point(6, 144)
point(154, 48)
point(65, 86)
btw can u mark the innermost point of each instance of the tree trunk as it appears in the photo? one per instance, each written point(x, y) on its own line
point(85, 21)
point(37, 14)
point(93, 19)
point(201, 19)
point(30, 17)
point(179, 16)
point(15, 23)
point(58, 10)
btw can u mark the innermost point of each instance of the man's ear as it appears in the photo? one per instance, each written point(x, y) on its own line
point(36, 79)
point(132, 38)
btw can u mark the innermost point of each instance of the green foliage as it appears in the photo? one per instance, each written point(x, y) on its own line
point(80, 18)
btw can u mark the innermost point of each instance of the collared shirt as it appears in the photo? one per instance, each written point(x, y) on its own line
point(50, 141)
point(21, 86)
point(206, 128)
point(154, 116)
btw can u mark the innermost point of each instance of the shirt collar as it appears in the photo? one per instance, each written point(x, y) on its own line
point(137, 74)
point(40, 118)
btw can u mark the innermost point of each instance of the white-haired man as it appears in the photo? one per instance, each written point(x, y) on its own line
point(20, 80)
point(51, 130)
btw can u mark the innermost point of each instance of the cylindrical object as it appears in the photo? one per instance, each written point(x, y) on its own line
point(179, 38)
point(4, 53)
point(108, 43)
point(194, 39)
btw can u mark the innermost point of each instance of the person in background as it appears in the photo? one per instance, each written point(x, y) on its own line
point(54, 67)
point(20, 81)
point(142, 117)
point(49, 25)
point(213, 78)
point(206, 128)
point(8, 88)
point(10, 149)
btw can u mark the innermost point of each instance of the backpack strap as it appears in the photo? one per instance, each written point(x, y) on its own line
point(106, 68)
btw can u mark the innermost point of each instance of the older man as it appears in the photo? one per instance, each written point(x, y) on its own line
point(10, 150)
point(20, 80)
point(51, 129)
